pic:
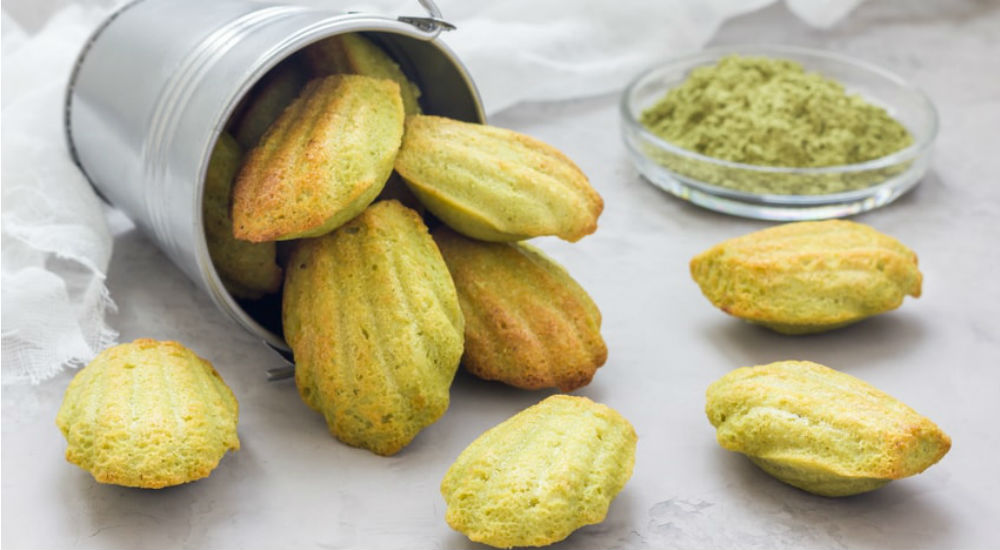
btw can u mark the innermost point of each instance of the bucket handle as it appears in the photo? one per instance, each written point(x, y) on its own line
point(433, 23)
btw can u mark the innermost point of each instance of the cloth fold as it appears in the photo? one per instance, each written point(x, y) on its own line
point(55, 241)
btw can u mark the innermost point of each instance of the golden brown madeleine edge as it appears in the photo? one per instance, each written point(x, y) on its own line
point(915, 445)
point(589, 203)
point(287, 164)
point(899, 265)
point(553, 340)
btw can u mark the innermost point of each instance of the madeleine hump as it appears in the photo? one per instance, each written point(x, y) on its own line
point(494, 184)
point(248, 270)
point(820, 430)
point(322, 162)
point(148, 414)
point(267, 101)
point(352, 53)
point(372, 317)
point(540, 475)
point(807, 277)
point(527, 322)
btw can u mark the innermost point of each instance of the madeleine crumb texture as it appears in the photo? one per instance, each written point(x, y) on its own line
point(821, 430)
point(540, 475)
point(148, 414)
point(527, 322)
point(248, 270)
point(495, 184)
point(352, 53)
point(265, 103)
point(322, 162)
point(807, 277)
point(373, 319)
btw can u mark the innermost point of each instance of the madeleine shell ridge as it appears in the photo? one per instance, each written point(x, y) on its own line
point(248, 270)
point(322, 162)
point(352, 53)
point(495, 184)
point(540, 475)
point(807, 277)
point(269, 98)
point(527, 322)
point(821, 430)
point(373, 320)
point(148, 414)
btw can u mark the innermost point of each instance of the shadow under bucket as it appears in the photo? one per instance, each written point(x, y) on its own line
point(158, 82)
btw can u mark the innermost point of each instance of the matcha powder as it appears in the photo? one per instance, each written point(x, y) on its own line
point(763, 111)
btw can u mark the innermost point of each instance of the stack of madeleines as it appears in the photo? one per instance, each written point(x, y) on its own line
point(323, 184)
point(405, 260)
point(378, 309)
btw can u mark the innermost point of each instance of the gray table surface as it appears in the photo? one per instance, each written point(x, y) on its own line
point(294, 485)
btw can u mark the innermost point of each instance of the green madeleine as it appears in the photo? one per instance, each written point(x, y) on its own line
point(373, 319)
point(820, 430)
point(540, 475)
point(248, 270)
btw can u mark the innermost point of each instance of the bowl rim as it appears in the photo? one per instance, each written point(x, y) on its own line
point(703, 57)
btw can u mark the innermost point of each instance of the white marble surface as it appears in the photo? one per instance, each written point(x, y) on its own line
point(293, 485)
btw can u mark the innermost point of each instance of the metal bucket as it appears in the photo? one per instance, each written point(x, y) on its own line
point(156, 84)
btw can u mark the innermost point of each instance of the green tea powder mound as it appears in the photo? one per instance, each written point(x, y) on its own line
point(763, 111)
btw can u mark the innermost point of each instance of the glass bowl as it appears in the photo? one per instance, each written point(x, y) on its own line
point(793, 193)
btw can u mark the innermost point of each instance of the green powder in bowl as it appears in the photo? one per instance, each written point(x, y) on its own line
point(771, 112)
point(771, 131)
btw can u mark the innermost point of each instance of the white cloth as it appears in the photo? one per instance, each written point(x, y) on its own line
point(56, 245)
point(55, 239)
